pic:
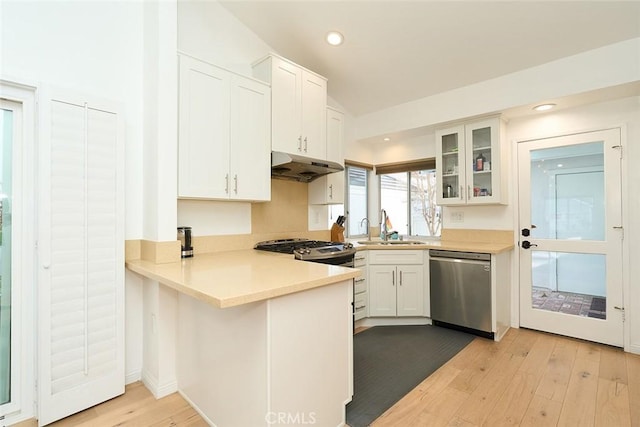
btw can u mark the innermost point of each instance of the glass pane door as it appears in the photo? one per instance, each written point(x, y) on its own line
point(6, 135)
point(567, 186)
point(451, 182)
point(482, 159)
point(570, 236)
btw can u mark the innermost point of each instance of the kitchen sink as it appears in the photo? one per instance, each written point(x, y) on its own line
point(391, 242)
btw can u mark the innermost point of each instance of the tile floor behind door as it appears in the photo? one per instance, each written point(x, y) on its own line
point(569, 303)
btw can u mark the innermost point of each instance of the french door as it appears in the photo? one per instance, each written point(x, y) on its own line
point(9, 116)
point(570, 223)
point(17, 225)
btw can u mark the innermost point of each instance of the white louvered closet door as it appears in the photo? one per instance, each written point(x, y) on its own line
point(81, 281)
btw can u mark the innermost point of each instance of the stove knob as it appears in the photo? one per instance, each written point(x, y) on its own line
point(348, 245)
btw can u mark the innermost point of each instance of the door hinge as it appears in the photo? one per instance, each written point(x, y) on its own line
point(621, 228)
point(618, 147)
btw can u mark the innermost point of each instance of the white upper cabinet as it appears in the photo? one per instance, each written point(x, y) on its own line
point(224, 149)
point(250, 159)
point(299, 99)
point(329, 189)
point(469, 163)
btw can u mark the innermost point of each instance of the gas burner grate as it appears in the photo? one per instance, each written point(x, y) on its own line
point(288, 246)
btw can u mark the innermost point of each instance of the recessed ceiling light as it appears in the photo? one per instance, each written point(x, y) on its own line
point(544, 107)
point(334, 38)
point(386, 139)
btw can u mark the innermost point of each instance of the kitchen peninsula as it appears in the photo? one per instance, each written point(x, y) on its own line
point(262, 338)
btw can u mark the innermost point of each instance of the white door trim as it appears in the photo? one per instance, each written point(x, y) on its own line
point(23, 334)
point(520, 269)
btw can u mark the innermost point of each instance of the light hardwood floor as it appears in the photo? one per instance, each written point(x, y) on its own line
point(529, 379)
point(136, 407)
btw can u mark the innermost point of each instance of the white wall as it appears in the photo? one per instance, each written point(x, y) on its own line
point(611, 65)
point(91, 47)
point(94, 48)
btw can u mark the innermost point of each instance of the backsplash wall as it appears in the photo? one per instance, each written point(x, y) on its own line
point(287, 210)
point(286, 215)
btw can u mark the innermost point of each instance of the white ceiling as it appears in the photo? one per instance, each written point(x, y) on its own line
point(398, 51)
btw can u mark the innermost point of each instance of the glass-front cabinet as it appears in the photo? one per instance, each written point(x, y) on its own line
point(450, 168)
point(469, 163)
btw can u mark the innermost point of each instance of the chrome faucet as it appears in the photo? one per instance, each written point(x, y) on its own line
point(384, 232)
point(368, 227)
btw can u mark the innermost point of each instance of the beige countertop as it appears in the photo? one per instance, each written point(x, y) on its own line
point(228, 279)
point(450, 245)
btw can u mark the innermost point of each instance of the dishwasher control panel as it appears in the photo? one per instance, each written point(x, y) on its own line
point(437, 253)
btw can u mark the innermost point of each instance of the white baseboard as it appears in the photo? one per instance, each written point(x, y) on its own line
point(392, 321)
point(194, 406)
point(132, 377)
point(634, 348)
point(18, 418)
point(158, 390)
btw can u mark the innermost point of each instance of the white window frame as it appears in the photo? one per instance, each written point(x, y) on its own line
point(408, 218)
point(348, 199)
point(24, 220)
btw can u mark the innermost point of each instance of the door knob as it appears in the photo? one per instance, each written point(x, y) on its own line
point(527, 244)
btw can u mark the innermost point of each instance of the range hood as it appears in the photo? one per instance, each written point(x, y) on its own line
point(293, 167)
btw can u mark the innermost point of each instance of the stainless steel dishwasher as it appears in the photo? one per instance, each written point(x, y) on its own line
point(461, 290)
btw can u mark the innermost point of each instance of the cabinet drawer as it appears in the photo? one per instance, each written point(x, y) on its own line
point(360, 260)
point(359, 285)
point(360, 301)
point(360, 306)
point(396, 257)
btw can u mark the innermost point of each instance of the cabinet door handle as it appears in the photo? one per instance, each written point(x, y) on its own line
point(400, 277)
point(359, 280)
point(300, 143)
point(468, 192)
point(306, 143)
point(461, 192)
point(331, 191)
point(235, 184)
point(393, 278)
point(226, 183)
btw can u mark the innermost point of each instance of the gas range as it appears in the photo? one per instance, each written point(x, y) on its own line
point(337, 253)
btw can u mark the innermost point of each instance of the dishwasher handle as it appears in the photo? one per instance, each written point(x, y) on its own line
point(439, 253)
point(462, 261)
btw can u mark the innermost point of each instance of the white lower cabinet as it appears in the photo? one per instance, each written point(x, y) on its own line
point(396, 283)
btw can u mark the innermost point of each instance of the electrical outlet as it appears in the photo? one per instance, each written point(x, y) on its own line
point(457, 216)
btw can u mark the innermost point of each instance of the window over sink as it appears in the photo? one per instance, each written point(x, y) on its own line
point(408, 195)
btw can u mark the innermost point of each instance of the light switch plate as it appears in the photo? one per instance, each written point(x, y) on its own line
point(457, 216)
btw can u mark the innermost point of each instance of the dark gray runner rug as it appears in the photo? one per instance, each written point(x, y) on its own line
point(390, 361)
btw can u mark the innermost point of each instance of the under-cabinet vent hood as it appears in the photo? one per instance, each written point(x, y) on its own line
point(298, 168)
